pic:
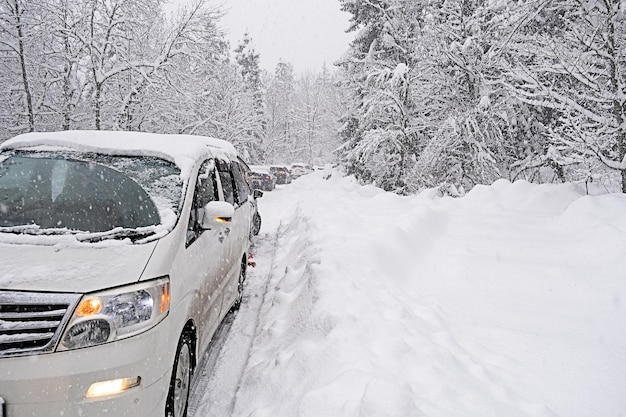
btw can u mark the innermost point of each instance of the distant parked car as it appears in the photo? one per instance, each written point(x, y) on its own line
point(281, 173)
point(260, 178)
point(299, 169)
point(255, 226)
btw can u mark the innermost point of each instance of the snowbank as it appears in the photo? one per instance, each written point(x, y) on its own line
point(510, 301)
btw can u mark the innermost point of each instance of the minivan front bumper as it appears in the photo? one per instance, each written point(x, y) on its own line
point(56, 384)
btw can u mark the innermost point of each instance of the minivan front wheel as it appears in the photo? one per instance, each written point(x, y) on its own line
point(240, 285)
point(256, 223)
point(178, 395)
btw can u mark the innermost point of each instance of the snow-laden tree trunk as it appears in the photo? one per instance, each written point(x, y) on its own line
point(14, 40)
point(68, 91)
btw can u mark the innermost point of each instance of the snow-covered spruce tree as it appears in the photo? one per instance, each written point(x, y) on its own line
point(574, 64)
point(230, 112)
point(526, 144)
point(280, 141)
point(380, 140)
point(463, 108)
point(248, 60)
point(336, 103)
point(331, 107)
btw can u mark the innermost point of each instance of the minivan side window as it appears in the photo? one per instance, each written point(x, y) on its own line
point(226, 178)
point(205, 192)
point(242, 190)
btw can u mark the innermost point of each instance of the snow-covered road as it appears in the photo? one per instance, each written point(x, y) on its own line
point(509, 302)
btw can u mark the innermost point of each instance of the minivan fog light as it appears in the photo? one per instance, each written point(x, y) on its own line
point(112, 387)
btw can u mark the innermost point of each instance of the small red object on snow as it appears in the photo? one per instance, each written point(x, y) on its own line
point(252, 264)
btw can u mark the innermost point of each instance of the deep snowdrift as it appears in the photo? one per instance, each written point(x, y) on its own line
point(509, 302)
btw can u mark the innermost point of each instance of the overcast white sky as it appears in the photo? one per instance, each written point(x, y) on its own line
point(306, 33)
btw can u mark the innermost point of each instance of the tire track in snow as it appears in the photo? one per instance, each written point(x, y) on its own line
point(284, 319)
point(219, 374)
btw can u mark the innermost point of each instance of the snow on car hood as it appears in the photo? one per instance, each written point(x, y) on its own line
point(78, 269)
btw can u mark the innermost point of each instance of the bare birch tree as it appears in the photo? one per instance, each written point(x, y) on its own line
point(14, 34)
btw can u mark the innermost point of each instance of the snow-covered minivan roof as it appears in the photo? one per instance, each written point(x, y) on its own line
point(183, 150)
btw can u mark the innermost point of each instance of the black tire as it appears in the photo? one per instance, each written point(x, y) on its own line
point(180, 382)
point(256, 223)
point(240, 285)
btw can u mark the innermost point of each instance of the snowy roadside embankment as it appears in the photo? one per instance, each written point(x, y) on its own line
point(510, 301)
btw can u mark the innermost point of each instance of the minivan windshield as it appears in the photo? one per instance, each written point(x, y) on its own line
point(66, 192)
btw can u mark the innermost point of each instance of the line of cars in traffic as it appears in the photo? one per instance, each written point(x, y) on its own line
point(266, 177)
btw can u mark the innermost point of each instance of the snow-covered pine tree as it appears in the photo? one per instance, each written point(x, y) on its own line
point(462, 109)
point(248, 60)
point(380, 140)
point(280, 141)
point(569, 57)
point(332, 104)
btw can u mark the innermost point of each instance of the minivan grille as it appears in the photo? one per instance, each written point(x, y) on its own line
point(31, 323)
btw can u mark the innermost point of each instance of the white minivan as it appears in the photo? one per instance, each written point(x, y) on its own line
point(120, 254)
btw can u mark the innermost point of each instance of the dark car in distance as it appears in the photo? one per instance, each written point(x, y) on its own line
point(260, 178)
point(281, 173)
point(299, 169)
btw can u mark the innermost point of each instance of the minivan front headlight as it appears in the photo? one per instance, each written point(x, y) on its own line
point(115, 314)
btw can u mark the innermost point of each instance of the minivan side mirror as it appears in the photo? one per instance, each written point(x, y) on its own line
point(217, 214)
point(257, 193)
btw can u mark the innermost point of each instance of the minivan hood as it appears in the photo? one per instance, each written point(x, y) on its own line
point(73, 269)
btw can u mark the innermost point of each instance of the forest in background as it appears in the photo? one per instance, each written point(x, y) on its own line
point(432, 93)
point(463, 92)
point(130, 65)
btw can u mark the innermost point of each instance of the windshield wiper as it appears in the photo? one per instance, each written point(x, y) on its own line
point(80, 235)
point(132, 234)
point(33, 229)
